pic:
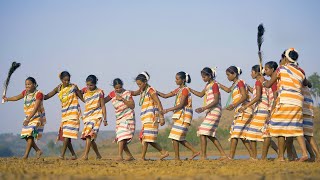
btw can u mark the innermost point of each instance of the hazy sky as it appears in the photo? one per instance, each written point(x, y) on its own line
point(122, 38)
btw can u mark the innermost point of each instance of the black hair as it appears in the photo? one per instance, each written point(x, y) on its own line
point(117, 81)
point(184, 76)
point(209, 72)
point(143, 77)
point(273, 65)
point(92, 78)
point(234, 70)
point(292, 54)
point(256, 68)
point(33, 80)
point(64, 74)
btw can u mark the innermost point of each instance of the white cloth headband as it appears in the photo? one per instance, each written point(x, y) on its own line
point(214, 71)
point(187, 77)
point(146, 75)
point(239, 70)
point(287, 54)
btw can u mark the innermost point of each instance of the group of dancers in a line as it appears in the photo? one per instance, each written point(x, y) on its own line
point(281, 107)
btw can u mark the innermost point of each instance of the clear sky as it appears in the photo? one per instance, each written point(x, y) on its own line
point(122, 38)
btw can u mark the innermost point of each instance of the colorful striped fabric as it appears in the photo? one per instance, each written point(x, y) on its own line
point(36, 124)
point(186, 112)
point(236, 96)
point(211, 121)
point(270, 98)
point(70, 107)
point(70, 129)
point(239, 125)
point(91, 129)
point(290, 84)
point(179, 130)
point(181, 118)
point(264, 130)
point(287, 118)
point(125, 117)
point(260, 115)
point(286, 121)
point(71, 112)
point(149, 132)
point(92, 104)
point(149, 116)
point(307, 111)
point(149, 111)
point(92, 116)
point(125, 130)
point(241, 119)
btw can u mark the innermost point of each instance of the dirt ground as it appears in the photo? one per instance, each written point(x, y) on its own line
point(52, 168)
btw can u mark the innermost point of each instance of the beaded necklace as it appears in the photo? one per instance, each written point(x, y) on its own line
point(143, 95)
point(28, 102)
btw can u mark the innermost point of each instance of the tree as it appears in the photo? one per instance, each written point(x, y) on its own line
point(315, 90)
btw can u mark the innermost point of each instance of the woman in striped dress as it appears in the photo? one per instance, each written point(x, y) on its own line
point(35, 118)
point(123, 104)
point(260, 103)
point(239, 95)
point(269, 68)
point(150, 116)
point(70, 110)
point(182, 115)
point(95, 112)
point(287, 118)
point(212, 108)
point(307, 111)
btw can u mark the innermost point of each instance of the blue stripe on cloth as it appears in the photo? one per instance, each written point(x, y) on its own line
point(179, 127)
point(150, 132)
point(93, 97)
point(147, 111)
point(308, 123)
point(295, 124)
point(90, 112)
point(70, 128)
point(70, 108)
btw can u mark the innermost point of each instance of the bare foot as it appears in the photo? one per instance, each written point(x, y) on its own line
point(98, 157)
point(280, 160)
point(203, 158)
point(39, 153)
point(166, 154)
point(303, 158)
point(142, 159)
point(119, 159)
point(74, 157)
point(130, 158)
point(221, 158)
point(24, 157)
point(84, 158)
point(194, 155)
point(253, 159)
point(61, 158)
